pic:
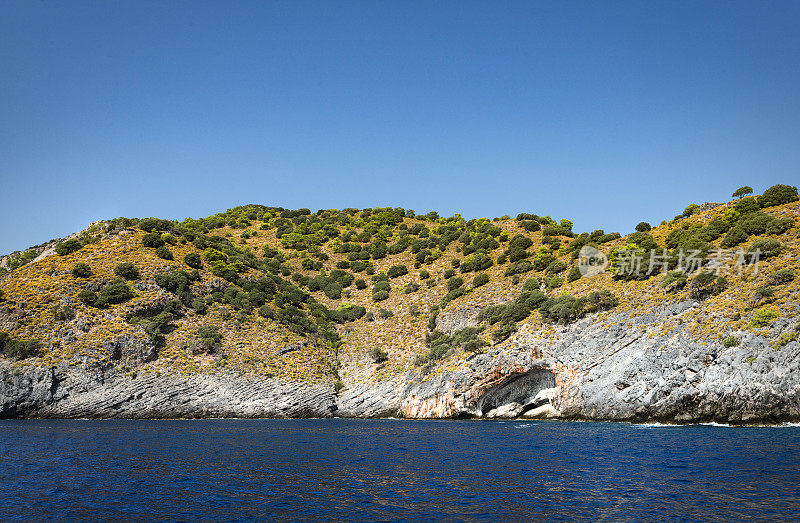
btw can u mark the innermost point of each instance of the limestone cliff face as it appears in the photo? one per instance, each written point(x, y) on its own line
point(63, 392)
point(610, 370)
point(602, 372)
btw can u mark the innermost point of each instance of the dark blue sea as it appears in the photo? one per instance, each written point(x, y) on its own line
point(393, 470)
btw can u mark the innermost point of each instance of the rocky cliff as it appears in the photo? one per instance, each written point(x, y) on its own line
point(587, 370)
point(267, 312)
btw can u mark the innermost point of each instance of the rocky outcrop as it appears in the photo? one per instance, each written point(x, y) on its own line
point(64, 392)
point(619, 368)
point(616, 370)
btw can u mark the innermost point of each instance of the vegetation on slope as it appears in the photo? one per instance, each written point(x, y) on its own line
point(307, 295)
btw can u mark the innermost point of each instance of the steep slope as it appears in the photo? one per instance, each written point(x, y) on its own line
point(263, 311)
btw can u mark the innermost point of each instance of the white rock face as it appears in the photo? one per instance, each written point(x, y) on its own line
point(599, 370)
point(542, 411)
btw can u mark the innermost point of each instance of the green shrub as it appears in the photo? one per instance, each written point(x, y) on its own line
point(777, 195)
point(763, 317)
point(68, 246)
point(520, 267)
point(742, 191)
point(81, 270)
point(378, 355)
point(786, 338)
point(574, 274)
point(765, 293)
point(690, 210)
point(480, 279)
point(730, 341)
point(126, 270)
point(755, 222)
point(554, 282)
point(209, 338)
point(193, 260)
point(397, 270)
point(779, 225)
point(164, 253)
point(674, 280)
point(556, 267)
point(87, 297)
point(542, 261)
point(768, 247)
point(503, 332)
point(152, 240)
point(736, 235)
point(16, 348)
point(562, 309)
point(424, 275)
point(349, 312)
point(531, 284)
point(454, 283)
point(643, 227)
point(360, 284)
point(385, 314)
point(63, 313)
point(333, 291)
point(746, 206)
point(449, 273)
point(411, 287)
point(115, 292)
point(706, 284)
point(199, 305)
point(600, 301)
point(381, 286)
point(380, 296)
point(782, 276)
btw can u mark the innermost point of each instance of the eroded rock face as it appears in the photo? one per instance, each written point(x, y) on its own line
point(521, 390)
point(618, 370)
point(449, 322)
point(614, 369)
point(97, 393)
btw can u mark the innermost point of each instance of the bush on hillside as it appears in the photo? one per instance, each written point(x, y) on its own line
point(127, 270)
point(397, 271)
point(68, 246)
point(193, 260)
point(768, 247)
point(152, 240)
point(164, 253)
point(480, 279)
point(17, 349)
point(81, 270)
point(778, 195)
point(690, 210)
point(736, 236)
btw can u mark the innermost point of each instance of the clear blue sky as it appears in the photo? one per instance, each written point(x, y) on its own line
point(607, 113)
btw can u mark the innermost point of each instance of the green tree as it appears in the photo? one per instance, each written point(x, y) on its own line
point(742, 191)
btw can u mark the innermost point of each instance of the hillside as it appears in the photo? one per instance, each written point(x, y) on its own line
point(386, 312)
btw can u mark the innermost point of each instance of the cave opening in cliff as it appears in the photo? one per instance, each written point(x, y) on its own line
point(521, 389)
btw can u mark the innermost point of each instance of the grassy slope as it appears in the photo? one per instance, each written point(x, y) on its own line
point(251, 343)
